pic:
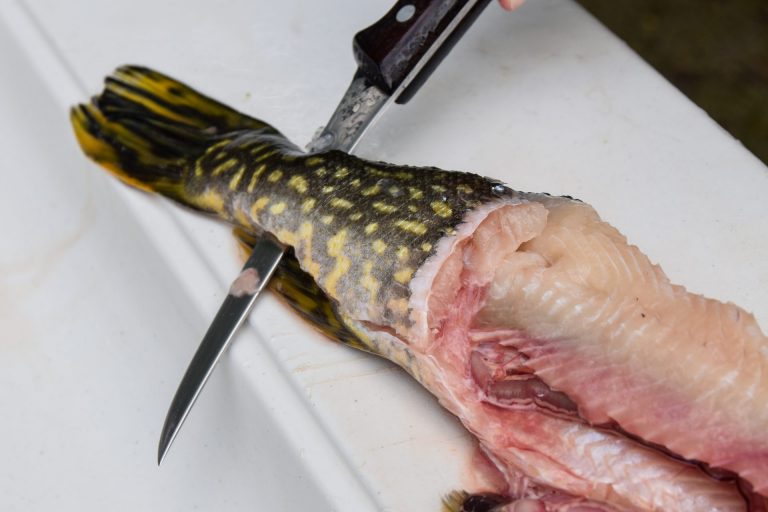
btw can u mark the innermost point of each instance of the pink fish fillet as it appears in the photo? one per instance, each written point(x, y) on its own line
point(583, 371)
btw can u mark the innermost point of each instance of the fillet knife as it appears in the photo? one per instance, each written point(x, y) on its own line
point(394, 56)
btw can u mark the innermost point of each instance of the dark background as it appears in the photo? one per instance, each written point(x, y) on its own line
point(715, 52)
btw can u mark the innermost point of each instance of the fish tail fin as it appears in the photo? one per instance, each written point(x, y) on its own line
point(146, 128)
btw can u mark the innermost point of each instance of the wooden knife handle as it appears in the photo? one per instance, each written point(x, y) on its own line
point(390, 49)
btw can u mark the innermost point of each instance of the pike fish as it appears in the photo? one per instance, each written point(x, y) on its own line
point(590, 381)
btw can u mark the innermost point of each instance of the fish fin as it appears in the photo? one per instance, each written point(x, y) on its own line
point(454, 501)
point(146, 128)
point(299, 290)
point(462, 501)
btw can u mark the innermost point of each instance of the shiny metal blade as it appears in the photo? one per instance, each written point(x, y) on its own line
point(234, 310)
point(359, 106)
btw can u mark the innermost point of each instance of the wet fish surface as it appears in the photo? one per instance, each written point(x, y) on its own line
point(591, 382)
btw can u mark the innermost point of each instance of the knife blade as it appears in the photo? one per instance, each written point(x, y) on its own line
point(245, 289)
point(395, 56)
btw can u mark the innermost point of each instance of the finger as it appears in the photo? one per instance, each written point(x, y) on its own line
point(511, 5)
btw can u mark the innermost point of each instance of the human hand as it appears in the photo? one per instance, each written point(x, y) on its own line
point(511, 5)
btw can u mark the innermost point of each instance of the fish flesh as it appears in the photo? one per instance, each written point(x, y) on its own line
point(589, 380)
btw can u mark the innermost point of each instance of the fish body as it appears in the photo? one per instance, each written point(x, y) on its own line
point(590, 381)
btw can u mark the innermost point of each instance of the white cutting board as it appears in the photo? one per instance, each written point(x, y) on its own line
point(105, 292)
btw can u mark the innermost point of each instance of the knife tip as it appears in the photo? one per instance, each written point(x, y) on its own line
point(160, 455)
point(166, 439)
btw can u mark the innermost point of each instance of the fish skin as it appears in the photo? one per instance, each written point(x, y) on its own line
point(159, 135)
point(324, 205)
point(329, 206)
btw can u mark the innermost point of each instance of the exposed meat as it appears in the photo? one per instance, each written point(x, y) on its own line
point(508, 383)
point(569, 330)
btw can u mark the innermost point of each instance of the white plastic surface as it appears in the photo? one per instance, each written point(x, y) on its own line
point(105, 292)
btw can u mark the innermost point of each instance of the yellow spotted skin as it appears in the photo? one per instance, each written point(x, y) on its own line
point(300, 291)
point(349, 221)
point(360, 229)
